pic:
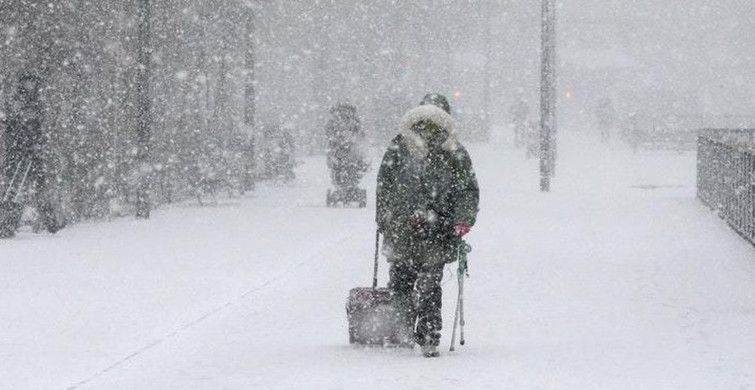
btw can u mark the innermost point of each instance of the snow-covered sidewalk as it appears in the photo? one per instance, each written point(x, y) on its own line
point(619, 278)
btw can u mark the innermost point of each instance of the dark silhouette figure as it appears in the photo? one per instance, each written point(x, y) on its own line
point(606, 116)
point(25, 179)
point(427, 199)
point(345, 161)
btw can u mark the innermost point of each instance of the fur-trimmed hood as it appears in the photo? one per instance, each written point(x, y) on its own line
point(416, 144)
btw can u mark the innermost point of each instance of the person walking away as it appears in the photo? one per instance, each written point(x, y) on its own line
point(605, 116)
point(519, 114)
point(427, 199)
point(24, 164)
point(344, 158)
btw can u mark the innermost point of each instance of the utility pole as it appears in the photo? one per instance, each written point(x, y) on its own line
point(547, 94)
point(249, 96)
point(486, 95)
point(143, 131)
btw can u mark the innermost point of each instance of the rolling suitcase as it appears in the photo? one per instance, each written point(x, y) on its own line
point(374, 318)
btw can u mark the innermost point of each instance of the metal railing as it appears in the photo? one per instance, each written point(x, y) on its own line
point(726, 176)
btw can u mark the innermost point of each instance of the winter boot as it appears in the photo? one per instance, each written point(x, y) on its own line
point(429, 344)
point(429, 350)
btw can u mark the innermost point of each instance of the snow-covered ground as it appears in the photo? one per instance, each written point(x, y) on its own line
point(617, 279)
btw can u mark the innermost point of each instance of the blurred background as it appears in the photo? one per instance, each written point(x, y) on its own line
point(226, 77)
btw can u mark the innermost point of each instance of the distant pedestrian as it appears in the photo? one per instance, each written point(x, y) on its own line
point(344, 158)
point(518, 116)
point(24, 167)
point(605, 114)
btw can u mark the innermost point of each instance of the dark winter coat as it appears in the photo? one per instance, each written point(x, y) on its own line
point(424, 190)
point(24, 143)
point(23, 136)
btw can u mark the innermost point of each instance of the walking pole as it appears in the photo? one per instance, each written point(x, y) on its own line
point(462, 272)
point(461, 254)
point(456, 322)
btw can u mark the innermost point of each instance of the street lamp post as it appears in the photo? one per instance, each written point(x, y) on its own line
point(547, 94)
point(249, 95)
point(143, 132)
point(488, 65)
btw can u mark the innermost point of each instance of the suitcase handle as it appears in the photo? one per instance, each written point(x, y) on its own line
point(377, 244)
